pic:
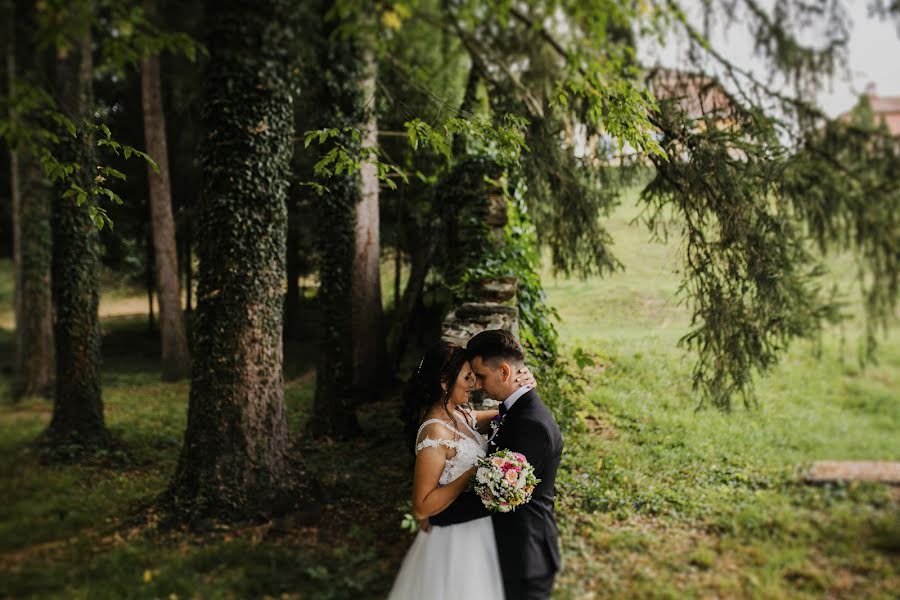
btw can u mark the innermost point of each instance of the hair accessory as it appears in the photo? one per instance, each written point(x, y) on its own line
point(419, 368)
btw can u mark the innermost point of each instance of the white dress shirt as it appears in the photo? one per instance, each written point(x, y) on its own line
point(511, 399)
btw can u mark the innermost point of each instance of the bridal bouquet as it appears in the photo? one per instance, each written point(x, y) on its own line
point(504, 480)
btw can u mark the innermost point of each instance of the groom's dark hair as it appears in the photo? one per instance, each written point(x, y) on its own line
point(494, 346)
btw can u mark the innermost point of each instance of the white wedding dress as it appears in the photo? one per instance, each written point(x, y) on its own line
point(457, 562)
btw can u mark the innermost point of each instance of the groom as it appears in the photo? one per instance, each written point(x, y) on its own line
point(527, 537)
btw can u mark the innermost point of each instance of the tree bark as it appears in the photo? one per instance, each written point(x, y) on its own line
point(175, 356)
point(234, 464)
point(342, 106)
point(32, 238)
point(369, 345)
point(467, 107)
point(78, 407)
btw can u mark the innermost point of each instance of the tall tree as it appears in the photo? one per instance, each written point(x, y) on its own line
point(78, 407)
point(369, 341)
point(32, 243)
point(338, 58)
point(302, 228)
point(234, 463)
point(175, 356)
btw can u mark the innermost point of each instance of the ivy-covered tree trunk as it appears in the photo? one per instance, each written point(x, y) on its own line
point(234, 464)
point(78, 408)
point(369, 343)
point(175, 356)
point(32, 238)
point(342, 71)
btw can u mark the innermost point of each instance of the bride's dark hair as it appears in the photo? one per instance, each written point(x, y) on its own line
point(440, 365)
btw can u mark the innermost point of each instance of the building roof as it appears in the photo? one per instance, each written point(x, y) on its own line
point(886, 109)
point(884, 104)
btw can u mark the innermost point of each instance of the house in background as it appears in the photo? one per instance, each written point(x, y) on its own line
point(885, 109)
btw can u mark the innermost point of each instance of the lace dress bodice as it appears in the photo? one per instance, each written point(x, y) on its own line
point(469, 446)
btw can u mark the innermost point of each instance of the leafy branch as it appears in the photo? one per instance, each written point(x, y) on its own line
point(345, 154)
point(33, 122)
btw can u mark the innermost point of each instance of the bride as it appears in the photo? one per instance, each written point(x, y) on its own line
point(456, 561)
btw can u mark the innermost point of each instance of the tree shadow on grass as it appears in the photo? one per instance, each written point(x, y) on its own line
point(68, 529)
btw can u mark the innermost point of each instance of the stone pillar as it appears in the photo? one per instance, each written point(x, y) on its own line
point(492, 302)
point(470, 318)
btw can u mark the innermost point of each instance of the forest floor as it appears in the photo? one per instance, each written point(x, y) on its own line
point(656, 498)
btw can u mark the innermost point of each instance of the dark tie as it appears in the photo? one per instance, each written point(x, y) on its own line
point(503, 408)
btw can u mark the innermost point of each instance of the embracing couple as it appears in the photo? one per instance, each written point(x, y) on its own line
point(462, 550)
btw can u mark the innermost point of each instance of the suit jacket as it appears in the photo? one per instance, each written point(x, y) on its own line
point(527, 538)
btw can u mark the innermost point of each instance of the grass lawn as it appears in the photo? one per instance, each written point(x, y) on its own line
point(656, 499)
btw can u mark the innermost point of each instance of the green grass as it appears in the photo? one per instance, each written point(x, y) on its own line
point(6, 291)
point(656, 499)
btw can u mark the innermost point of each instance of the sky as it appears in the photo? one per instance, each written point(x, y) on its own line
point(874, 54)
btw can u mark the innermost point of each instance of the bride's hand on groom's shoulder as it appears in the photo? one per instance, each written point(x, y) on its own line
point(524, 378)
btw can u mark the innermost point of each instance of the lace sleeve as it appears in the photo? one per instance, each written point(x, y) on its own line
point(434, 433)
point(432, 443)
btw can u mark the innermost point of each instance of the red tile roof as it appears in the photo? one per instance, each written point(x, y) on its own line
point(881, 104)
point(886, 109)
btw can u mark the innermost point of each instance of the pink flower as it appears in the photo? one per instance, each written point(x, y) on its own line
point(511, 467)
point(512, 476)
point(520, 456)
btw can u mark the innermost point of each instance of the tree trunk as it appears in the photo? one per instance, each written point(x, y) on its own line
point(369, 345)
point(467, 107)
point(234, 464)
point(78, 407)
point(32, 237)
point(342, 107)
point(175, 356)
